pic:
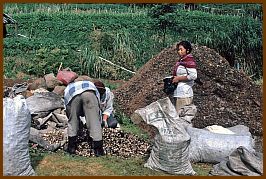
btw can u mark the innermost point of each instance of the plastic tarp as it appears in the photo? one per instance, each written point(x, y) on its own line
point(170, 150)
point(241, 162)
point(16, 132)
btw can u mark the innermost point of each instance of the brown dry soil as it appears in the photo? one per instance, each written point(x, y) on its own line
point(227, 97)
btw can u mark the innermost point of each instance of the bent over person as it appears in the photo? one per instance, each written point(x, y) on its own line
point(82, 99)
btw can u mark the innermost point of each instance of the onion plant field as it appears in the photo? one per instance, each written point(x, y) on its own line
point(127, 35)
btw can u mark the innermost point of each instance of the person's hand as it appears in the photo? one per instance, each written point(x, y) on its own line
point(104, 123)
point(175, 79)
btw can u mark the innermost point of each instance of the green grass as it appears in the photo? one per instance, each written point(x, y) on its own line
point(111, 84)
point(62, 164)
point(128, 126)
point(259, 82)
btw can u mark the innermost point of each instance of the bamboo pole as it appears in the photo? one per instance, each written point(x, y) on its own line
point(116, 65)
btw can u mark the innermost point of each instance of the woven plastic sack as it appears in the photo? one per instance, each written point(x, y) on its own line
point(210, 147)
point(66, 76)
point(16, 132)
point(170, 150)
point(241, 162)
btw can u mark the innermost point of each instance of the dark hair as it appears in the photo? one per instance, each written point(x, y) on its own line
point(186, 45)
point(100, 86)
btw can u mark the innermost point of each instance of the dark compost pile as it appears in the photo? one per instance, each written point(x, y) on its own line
point(227, 97)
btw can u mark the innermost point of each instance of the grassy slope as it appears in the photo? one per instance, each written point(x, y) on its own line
point(58, 36)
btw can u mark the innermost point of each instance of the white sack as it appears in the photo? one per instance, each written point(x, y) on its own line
point(16, 132)
point(210, 147)
point(170, 150)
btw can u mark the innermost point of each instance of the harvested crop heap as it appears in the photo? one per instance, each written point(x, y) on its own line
point(227, 97)
point(116, 143)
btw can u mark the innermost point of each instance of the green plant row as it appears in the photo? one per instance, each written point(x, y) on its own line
point(238, 39)
point(126, 39)
point(16, 8)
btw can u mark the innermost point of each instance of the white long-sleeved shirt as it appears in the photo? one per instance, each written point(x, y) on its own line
point(184, 88)
point(106, 102)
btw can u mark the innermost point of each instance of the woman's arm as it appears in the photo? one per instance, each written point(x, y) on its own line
point(191, 75)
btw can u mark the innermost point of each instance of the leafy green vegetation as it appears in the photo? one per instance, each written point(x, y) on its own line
point(128, 126)
point(78, 34)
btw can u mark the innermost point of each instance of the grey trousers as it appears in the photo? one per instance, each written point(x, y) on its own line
point(84, 104)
